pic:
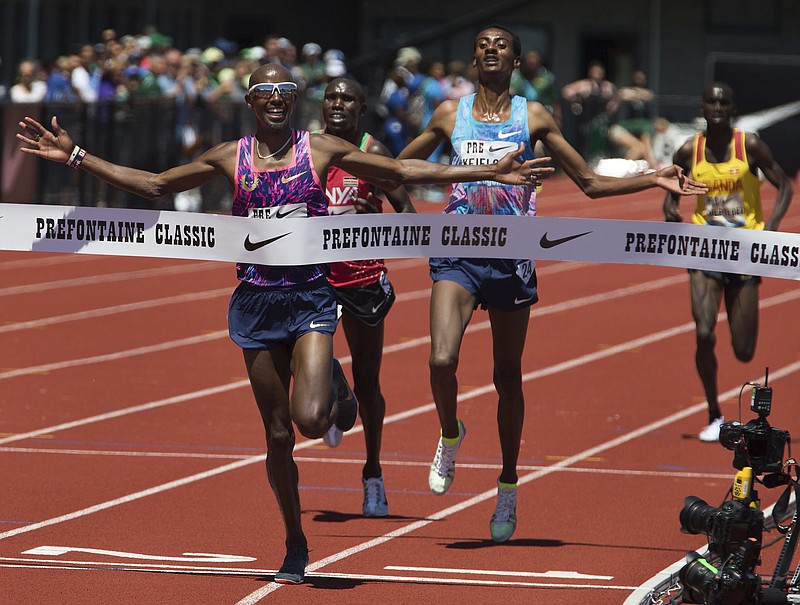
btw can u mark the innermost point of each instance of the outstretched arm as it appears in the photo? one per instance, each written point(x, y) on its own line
point(669, 178)
point(56, 145)
point(333, 151)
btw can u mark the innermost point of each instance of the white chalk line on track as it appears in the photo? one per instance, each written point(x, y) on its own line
point(106, 311)
point(359, 462)
point(22, 563)
point(105, 278)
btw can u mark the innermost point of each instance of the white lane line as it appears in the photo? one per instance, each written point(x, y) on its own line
point(146, 350)
point(105, 311)
point(132, 497)
point(429, 407)
point(123, 453)
point(126, 411)
point(564, 575)
point(28, 262)
point(360, 461)
point(80, 282)
point(188, 557)
point(11, 562)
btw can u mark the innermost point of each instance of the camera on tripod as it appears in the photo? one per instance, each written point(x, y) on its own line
point(735, 528)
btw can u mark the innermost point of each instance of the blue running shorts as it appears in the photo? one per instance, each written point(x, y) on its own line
point(263, 318)
point(498, 283)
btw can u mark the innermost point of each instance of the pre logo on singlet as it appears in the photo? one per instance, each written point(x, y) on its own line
point(482, 153)
point(297, 210)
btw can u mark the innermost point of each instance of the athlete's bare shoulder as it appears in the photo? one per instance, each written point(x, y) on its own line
point(539, 119)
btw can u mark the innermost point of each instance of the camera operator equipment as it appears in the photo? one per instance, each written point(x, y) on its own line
point(735, 529)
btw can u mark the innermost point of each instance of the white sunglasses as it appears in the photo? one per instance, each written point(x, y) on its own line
point(267, 89)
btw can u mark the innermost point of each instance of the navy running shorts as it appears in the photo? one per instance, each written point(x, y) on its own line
point(498, 283)
point(369, 303)
point(263, 318)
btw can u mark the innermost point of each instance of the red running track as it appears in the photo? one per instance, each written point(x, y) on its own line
point(132, 452)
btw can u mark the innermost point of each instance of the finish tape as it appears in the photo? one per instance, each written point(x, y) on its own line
point(276, 239)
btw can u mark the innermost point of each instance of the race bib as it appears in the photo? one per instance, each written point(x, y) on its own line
point(482, 153)
point(524, 270)
point(725, 210)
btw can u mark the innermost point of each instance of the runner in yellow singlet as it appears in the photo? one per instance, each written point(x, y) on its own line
point(727, 160)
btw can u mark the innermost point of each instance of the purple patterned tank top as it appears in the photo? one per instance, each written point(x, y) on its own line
point(296, 187)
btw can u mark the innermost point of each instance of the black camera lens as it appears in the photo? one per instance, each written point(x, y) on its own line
point(697, 516)
point(697, 578)
point(730, 433)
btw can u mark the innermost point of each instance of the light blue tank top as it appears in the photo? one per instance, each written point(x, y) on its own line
point(476, 143)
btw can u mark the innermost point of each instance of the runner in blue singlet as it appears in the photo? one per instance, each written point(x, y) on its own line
point(480, 127)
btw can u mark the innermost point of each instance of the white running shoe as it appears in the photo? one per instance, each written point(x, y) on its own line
point(333, 437)
point(443, 468)
point(375, 503)
point(504, 519)
point(711, 432)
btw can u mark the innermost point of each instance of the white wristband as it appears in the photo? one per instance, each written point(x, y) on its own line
point(73, 156)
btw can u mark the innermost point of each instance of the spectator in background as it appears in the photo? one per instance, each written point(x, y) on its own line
point(313, 69)
point(455, 83)
point(272, 51)
point(59, 82)
point(28, 88)
point(543, 81)
point(396, 130)
point(406, 64)
point(522, 87)
point(632, 130)
point(334, 65)
point(427, 98)
point(589, 101)
point(431, 93)
point(85, 75)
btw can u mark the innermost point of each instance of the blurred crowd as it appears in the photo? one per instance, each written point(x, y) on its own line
point(610, 119)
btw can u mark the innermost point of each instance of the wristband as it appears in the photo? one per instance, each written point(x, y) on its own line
point(78, 159)
point(72, 157)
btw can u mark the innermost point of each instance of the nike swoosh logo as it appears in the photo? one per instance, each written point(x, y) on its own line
point(505, 135)
point(280, 214)
point(519, 301)
point(508, 146)
point(314, 324)
point(546, 242)
point(253, 246)
point(285, 179)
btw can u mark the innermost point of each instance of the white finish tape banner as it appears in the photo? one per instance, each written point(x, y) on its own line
point(278, 239)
